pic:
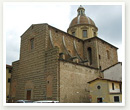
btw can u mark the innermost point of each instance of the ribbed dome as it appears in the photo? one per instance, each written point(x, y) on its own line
point(82, 19)
point(82, 26)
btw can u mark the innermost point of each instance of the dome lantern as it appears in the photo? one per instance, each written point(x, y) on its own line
point(81, 10)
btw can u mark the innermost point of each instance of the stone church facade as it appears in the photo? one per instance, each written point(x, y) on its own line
point(55, 65)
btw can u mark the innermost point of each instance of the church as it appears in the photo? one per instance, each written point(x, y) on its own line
point(55, 65)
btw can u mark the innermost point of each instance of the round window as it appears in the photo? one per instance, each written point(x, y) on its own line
point(98, 87)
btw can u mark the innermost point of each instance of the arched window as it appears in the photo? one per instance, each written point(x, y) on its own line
point(90, 55)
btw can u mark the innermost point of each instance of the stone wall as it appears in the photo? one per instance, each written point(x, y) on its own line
point(99, 53)
point(40, 71)
point(73, 82)
point(57, 37)
point(99, 48)
point(79, 31)
point(92, 43)
point(104, 61)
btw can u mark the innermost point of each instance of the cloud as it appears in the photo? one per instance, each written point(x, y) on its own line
point(108, 19)
point(18, 17)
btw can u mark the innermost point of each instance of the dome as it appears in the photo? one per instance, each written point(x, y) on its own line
point(82, 19)
point(82, 26)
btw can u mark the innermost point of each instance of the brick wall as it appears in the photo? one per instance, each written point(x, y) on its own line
point(31, 63)
point(37, 69)
point(51, 73)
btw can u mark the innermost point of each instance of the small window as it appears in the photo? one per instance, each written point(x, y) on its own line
point(9, 80)
point(78, 12)
point(32, 43)
point(10, 70)
point(89, 55)
point(98, 87)
point(108, 54)
point(116, 99)
point(81, 12)
point(100, 67)
point(99, 57)
point(61, 55)
point(84, 33)
point(73, 33)
point(94, 34)
point(113, 86)
point(56, 31)
point(8, 96)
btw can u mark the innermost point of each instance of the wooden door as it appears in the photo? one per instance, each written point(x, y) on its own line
point(28, 94)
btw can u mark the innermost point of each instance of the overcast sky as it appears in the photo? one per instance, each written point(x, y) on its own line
point(19, 17)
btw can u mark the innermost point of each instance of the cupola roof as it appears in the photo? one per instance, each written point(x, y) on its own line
point(81, 18)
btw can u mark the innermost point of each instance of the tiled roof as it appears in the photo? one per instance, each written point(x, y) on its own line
point(112, 66)
point(8, 66)
point(104, 79)
point(82, 20)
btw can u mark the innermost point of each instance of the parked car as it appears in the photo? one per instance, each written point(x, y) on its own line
point(46, 101)
point(24, 101)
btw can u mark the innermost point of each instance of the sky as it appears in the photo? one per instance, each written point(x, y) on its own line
point(18, 17)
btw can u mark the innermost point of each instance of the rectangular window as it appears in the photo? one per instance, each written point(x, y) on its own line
point(9, 80)
point(100, 68)
point(99, 57)
point(108, 54)
point(94, 34)
point(120, 88)
point(116, 99)
point(73, 33)
point(112, 86)
point(85, 33)
point(32, 43)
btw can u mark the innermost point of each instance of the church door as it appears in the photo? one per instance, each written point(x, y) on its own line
point(28, 94)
